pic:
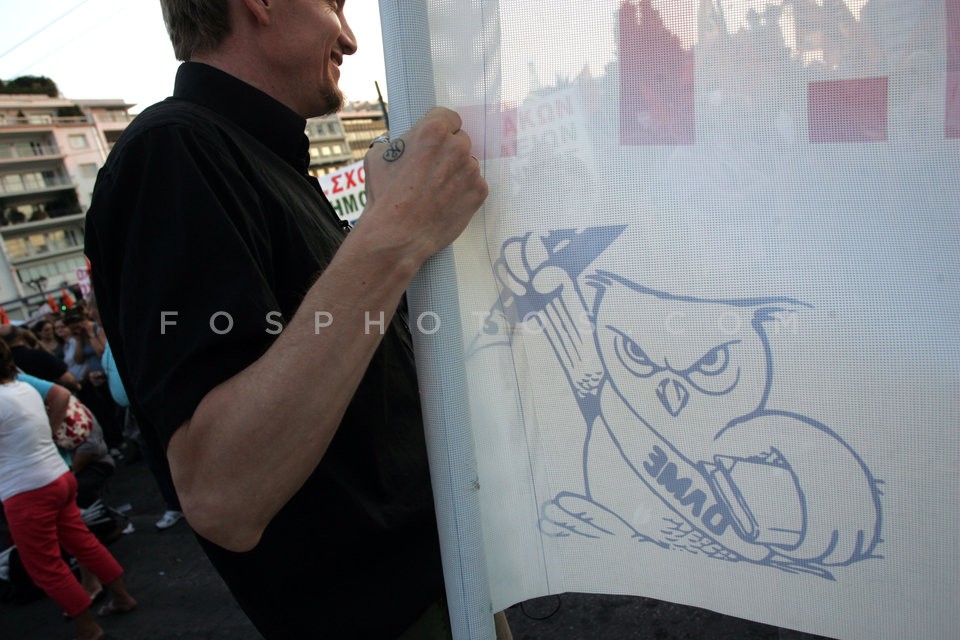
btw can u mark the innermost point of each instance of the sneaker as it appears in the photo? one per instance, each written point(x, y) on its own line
point(169, 519)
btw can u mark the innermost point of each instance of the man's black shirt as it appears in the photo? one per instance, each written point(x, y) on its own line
point(203, 220)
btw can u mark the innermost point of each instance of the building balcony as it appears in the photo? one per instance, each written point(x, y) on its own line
point(57, 218)
point(45, 254)
point(344, 157)
point(43, 122)
point(326, 137)
point(35, 187)
point(113, 117)
point(33, 153)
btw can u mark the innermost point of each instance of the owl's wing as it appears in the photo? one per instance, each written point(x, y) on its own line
point(835, 505)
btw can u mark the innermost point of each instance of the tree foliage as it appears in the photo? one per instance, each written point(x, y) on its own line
point(41, 85)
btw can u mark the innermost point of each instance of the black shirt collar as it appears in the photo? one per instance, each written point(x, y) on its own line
point(271, 122)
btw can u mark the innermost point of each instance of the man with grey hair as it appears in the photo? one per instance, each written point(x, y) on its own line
point(261, 344)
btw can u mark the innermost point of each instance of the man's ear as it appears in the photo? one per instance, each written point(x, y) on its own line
point(258, 9)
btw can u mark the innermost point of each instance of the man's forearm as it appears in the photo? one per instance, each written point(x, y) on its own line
point(253, 440)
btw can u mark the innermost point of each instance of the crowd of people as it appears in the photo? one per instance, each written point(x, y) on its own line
point(299, 456)
point(69, 348)
point(52, 486)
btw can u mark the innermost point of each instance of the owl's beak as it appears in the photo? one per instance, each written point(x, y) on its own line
point(672, 395)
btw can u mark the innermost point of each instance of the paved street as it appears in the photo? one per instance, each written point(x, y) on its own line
point(182, 597)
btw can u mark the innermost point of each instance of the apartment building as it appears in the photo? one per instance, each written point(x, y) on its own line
point(343, 138)
point(362, 122)
point(328, 145)
point(50, 151)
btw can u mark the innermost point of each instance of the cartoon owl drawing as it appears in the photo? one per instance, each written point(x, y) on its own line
point(680, 447)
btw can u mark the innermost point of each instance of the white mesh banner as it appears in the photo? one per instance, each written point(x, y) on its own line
point(702, 342)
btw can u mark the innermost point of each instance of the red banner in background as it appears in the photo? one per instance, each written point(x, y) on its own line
point(847, 110)
point(656, 80)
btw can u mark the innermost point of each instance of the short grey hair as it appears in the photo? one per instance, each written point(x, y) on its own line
point(195, 26)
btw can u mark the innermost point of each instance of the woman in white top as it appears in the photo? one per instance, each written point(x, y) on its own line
point(39, 499)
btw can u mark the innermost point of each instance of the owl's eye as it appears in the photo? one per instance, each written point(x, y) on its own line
point(632, 356)
point(713, 373)
point(714, 362)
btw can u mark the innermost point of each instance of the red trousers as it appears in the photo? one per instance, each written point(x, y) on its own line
point(43, 520)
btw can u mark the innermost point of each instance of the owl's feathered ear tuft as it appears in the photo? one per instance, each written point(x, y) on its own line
point(783, 311)
point(598, 281)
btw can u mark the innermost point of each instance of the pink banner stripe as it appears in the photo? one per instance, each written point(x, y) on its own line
point(847, 110)
point(656, 80)
point(492, 129)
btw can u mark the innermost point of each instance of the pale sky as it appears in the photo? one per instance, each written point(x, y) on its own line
point(120, 49)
